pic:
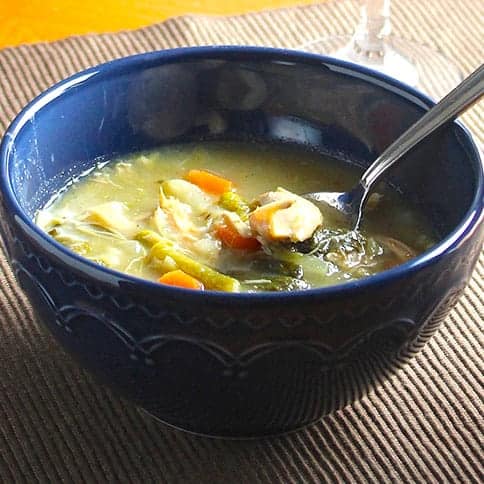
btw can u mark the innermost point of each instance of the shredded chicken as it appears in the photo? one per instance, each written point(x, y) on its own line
point(112, 216)
point(180, 214)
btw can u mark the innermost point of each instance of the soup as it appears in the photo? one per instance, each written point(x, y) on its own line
point(227, 217)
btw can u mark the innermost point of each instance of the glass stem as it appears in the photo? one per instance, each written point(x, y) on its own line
point(374, 26)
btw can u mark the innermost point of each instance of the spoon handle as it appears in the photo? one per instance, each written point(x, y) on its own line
point(457, 101)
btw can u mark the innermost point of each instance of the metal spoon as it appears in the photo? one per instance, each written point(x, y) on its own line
point(350, 204)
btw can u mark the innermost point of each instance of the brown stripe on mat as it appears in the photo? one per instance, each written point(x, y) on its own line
point(423, 425)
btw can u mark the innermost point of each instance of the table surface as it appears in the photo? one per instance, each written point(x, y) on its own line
point(57, 425)
point(27, 21)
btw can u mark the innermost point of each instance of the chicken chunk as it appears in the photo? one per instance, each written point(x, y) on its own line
point(284, 216)
point(112, 216)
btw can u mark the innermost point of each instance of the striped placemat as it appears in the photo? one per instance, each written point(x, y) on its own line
point(423, 425)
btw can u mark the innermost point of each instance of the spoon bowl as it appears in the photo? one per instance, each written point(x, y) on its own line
point(350, 204)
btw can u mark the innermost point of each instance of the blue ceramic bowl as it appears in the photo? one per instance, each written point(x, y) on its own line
point(237, 365)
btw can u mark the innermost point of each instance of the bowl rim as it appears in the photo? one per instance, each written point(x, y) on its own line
point(91, 270)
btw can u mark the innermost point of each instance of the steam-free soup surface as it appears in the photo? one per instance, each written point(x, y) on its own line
point(193, 216)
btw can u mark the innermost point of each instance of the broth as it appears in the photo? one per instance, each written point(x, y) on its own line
point(139, 215)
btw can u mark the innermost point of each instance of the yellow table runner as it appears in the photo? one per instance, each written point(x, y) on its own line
point(28, 21)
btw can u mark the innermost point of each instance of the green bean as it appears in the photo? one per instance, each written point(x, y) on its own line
point(235, 203)
point(212, 279)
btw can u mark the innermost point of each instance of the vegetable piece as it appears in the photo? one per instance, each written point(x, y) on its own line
point(316, 271)
point(246, 266)
point(187, 193)
point(350, 249)
point(209, 182)
point(181, 279)
point(233, 202)
point(345, 244)
point(283, 215)
point(166, 264)
point(78, 246)
point(161, 247)
point(276, 283)
point(312, 244)
point(264, 264)
point(231, 238)
point(231, 219)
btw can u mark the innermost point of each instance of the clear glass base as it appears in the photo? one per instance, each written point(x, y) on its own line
point(415, 64)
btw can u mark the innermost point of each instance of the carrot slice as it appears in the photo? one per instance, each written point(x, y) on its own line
point(209, 182)
point(180, 279)
point(231, 238)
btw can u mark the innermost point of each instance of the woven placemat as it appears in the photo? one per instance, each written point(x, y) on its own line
point(423, 425)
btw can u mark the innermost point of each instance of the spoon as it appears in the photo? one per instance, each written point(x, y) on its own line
point(350, 204)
